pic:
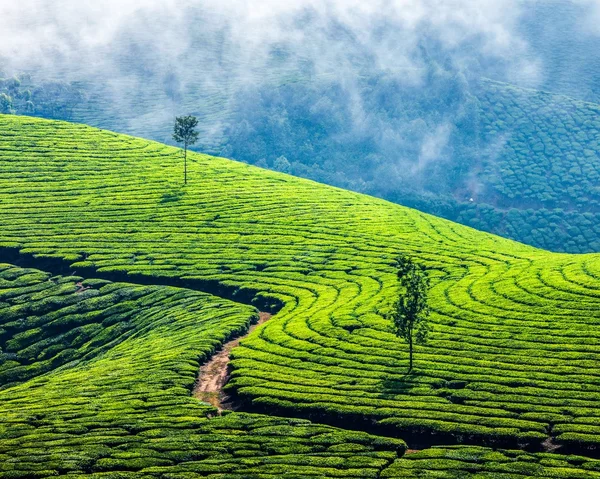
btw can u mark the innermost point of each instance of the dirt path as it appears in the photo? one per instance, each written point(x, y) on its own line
point(214, 375)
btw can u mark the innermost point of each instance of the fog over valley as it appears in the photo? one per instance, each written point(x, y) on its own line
point(419, 102)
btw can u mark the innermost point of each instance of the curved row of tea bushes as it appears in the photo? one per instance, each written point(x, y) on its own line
point(483, 463)
point(513, 358)
point(106, 375)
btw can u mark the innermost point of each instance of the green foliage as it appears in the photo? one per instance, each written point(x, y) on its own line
point(515, 162)
point(410, 311)
point(514, 359)
point(483, 463)
point(185, 131)
point(25, 96)
point(6, 103)
point(120, 400)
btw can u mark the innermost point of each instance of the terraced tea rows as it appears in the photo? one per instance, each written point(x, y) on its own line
point(513, 358)
point(120, 361)
point(482, 463)
point(549, 153)
point(507, 362)
point(528, 157)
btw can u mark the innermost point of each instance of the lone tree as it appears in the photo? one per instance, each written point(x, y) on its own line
point(185, 132)
point(410, 312)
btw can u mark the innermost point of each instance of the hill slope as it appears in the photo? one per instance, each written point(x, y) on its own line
point(513, 358)
point(503, 159)
point(120, 402)
point(507, 160)
point(423, 126)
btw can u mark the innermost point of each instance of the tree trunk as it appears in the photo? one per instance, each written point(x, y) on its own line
point(185, 165)
point(410, 350)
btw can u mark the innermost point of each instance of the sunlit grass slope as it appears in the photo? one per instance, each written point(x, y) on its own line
point(514, 355)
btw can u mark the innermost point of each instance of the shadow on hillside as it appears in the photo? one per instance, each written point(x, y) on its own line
point(392, 386)
point(172, 196)
point(61, 267)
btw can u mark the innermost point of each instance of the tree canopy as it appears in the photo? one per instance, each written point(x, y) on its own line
point(185, 132)
point(411, 311)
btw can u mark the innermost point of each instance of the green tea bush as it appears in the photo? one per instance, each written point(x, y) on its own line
point(512, 362)
point(479, 462)
point(116, 400)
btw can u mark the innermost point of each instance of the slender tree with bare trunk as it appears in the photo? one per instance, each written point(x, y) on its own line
point(185, 132)
point(410, 311)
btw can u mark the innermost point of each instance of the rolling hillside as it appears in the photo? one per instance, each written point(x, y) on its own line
point(516, 162)
point(120, 361)
point(512, 161)
point(99, 379)
point(468, 141)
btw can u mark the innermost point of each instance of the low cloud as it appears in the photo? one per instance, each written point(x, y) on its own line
point(75, 37)
point(153, 53)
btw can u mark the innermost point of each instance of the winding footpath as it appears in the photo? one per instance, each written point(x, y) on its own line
point(214, 374)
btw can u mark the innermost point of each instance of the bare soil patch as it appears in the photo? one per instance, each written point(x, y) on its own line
point(214, 374)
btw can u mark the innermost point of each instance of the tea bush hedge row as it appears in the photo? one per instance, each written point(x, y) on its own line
point(513, 358)
point(97, 383)
point(483, 463)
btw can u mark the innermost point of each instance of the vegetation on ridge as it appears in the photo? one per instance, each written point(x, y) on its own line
point(515, 162)
point(513, 361)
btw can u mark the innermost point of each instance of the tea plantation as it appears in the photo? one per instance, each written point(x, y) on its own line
point(120, 362)
point(519, 163)
point(98, 380)
point(481, 463)
point(540, 182)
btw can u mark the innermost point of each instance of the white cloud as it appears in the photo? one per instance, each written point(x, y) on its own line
point(44, 31)
point(130, 46)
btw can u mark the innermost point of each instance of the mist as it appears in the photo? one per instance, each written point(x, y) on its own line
point(121, 39)
point(173, 56)
point(381, 97)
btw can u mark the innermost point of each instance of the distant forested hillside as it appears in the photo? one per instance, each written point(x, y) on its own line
point(516, 162)
point(21, 95)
